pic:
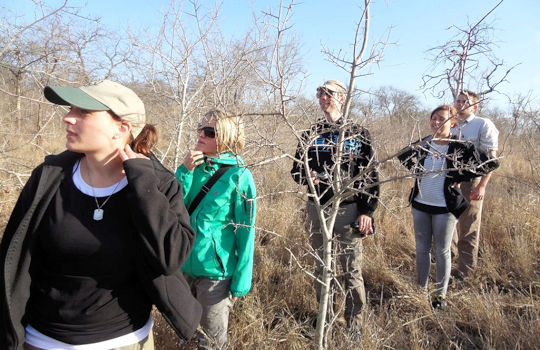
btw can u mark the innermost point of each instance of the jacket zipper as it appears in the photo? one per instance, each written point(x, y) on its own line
point(244, 199)
point(219, 259)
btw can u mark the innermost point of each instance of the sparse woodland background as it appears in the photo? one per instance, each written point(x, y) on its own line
point(187, 67)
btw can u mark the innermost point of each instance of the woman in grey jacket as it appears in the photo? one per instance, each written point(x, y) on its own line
point(440, 164)
point(97, 235)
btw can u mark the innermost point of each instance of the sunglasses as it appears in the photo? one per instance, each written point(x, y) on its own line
point(208, 131)
point(321, 92)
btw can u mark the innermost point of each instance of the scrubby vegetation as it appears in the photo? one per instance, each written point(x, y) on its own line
point(498, 307)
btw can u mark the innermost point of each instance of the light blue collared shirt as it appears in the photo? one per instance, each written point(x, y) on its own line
point(480, 131)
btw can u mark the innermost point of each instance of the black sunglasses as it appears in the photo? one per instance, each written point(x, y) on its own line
point(321, 92)
point(208, 131)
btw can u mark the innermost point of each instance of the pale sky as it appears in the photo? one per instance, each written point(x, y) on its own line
point(416, 26)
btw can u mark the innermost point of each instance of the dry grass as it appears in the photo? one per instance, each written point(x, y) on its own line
point(496, 308)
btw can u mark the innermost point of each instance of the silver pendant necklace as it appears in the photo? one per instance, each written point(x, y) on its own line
point(98, 212)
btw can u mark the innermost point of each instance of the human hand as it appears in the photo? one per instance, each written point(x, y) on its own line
point(127, 153)
point(477, 193)
point(365, 224)
point(193, 159)
point(314, 177)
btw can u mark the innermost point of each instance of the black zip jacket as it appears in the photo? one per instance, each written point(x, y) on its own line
point(321, 144)
point(464, 162)
point(163, 240)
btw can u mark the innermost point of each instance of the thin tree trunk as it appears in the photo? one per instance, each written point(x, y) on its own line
point(18, 114)
point(327, 273)
point(326, 279)
point(179, 133)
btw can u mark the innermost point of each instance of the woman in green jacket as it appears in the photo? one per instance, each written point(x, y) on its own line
point(220, 266)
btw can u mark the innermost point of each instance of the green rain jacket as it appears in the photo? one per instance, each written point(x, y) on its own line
point(223, 222)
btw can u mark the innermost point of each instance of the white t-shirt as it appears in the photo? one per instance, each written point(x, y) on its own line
point(39, 340)
point(85, 188)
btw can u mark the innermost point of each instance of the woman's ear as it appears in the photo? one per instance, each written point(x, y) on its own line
point(124, 130)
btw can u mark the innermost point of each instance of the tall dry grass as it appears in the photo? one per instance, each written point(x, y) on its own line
point(496, 308)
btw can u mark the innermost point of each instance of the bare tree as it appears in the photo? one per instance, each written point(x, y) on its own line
point(398, 105)
point(341, 184)
point(468, 56)
point(19, 52)
point(59, 45)
point(171, 62)
point(191, 68)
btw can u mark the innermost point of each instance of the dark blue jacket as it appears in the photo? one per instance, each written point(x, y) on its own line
point(321, 143)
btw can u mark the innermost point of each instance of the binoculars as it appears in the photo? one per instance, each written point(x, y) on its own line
point(355, 230)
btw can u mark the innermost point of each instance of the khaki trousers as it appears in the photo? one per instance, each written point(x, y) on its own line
point(467, 237)
point(348, 249)
point(145, 344)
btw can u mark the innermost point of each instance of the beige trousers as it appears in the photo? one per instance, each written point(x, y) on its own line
point(467, 237)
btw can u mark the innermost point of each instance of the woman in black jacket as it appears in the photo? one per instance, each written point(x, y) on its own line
point(440, 163)
point(97, 236)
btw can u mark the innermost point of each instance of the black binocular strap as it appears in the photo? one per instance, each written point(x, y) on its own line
point(206, 187)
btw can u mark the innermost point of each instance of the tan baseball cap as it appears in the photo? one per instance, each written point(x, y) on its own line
point(333, 85)
point(105, 95)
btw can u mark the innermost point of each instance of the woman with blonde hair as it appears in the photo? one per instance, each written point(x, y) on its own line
point(440, 163)
point(219, 193)
point(97, 235)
